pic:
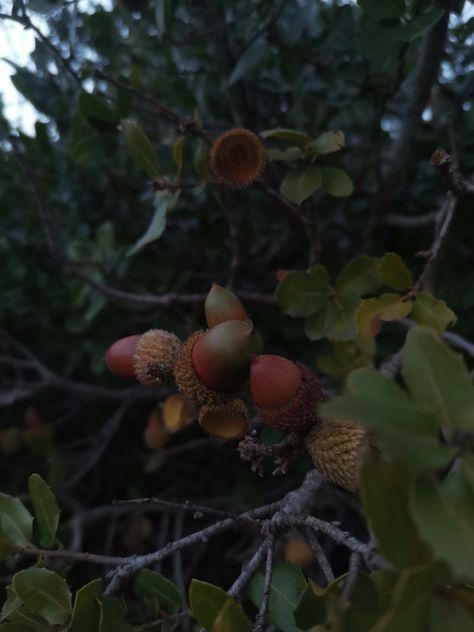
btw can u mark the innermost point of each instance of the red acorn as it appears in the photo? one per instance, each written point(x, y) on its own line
point(222, 305)
point(221, 357)
point(286, 394)
point(119, 357)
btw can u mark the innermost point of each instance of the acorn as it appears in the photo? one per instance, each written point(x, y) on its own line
point(154, 356)
point(226, 421)
point(337, 449)
point(213, 365)
point(178, 412)
point(221, 357)
point(298, 552)
point(221, 305)
point(119, 357)
point(237, 157)
point(286, 394)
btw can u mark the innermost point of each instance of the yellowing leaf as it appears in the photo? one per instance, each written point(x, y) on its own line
point(373, 311)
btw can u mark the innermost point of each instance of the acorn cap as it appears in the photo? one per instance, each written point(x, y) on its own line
point(155, 434)
point(274, 380)
point(221, 305)
point(300, 411)
point(186, 379)
point(227, 421)
point(221, 357)
point(178, 412)
point(119, 357)
point(155, 355)
point(337, 450)
point(237, 157)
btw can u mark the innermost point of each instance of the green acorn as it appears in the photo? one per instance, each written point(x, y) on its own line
point(222, 305)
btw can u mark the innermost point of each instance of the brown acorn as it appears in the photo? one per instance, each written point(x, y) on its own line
point(212, 365)
point(221, 305)
point(286, 394)
point(221, 357)
point(337, 449)
point(186, 379)
point(226, 421)
point(154, 356)
point(119, 357)
point(178, 412)
point(237, 157)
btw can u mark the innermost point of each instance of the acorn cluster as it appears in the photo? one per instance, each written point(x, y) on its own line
point(211, 369)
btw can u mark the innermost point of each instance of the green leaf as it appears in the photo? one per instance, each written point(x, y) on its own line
point(156, 226)
point(18, 627)
point(384, 493)
point(288, 154)
point(311, 608)
point(97, 111)
point(421, 23)
point(231, 619)
point(300, 183)
point(12, 603)
point(291, 135)
point(380, 39)
point(208, 602)
point(152, 584)
point(410, 600)
point(250, 59)
point(360, 276)
point(375, 11)
point(140, 148)
point(45, 593)
point(288, 585)
point(201, 164)
point(340, 312)
point(373, 311)
point(328, 143)
point(432, 312)
point(336, 182)
point(46, 508)
point(177, 152)
point(394, 272)
point(438, 379)
point(303, 293)
point(15, 524)
point(86, 611)
point(443, 512)
point(403, 430)
point(112, 616)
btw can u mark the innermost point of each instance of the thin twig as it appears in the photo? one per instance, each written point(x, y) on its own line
point(447, 168)
point(248, 571)
point(320, 555)
point(355, 562)
point(261, 619)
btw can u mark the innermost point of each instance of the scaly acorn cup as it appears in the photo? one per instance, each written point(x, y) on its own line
point(221, 305)
point(226, 421)
point(238, 157)
point(154, 356)
point(212, 365)
point(286, 394)
point(119, 357)
point(337, 449)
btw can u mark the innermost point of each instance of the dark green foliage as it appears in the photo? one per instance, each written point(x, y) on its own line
point(112, 223)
